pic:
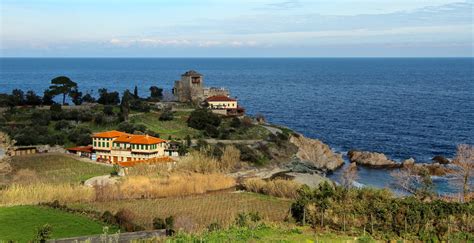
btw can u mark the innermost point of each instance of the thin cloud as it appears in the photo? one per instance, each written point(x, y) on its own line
point(285, 5)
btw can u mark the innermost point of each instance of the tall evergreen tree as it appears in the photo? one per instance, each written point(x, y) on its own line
point(125, 105)
point(135, 92)
point(62, 85)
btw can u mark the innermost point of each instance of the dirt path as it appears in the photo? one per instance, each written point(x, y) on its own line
point(122, 237)
point(273, 130)
point(214, 141)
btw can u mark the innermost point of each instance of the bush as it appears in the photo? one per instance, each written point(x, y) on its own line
point(61, 125)
point(167, 115)
point(277, 188)
point(214, 227)
point(43, 233)
point(55, 108)
point(106, 98)
point(235, 123)
point(246, 219)
point(211, 131)
point(139, 105)
point(131, 128)
point(159, 223)
point(202, 118)
point(108, 218)
point(124, 219)
point(80, 136)
point(40, 118)
point(108, 110)
point(85, 116)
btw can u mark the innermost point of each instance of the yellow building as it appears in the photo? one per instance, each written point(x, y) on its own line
point(224, 105)
point(115, 146)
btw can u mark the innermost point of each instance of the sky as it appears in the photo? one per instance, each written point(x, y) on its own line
point(239, 28)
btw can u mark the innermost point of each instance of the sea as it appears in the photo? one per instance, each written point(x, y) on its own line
point(402, 107)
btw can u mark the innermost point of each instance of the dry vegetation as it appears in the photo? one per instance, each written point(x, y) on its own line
point(182, 184)
point(195, 213)
point(202, 162)
point(37, 193)
point(277, 188)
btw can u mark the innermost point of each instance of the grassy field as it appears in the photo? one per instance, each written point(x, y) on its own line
point(265, 233)
point(58, 168)
point(194, 213)
point(177, 128)
point(19, 223)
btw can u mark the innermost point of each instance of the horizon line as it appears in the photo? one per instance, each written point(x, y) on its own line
point(225, 57)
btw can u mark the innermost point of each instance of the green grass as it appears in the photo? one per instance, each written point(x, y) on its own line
point(263, 233)
point(58, 168)
point(177, 128)
point(20, 223)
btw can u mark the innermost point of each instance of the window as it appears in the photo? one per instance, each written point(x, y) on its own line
point(95, 144)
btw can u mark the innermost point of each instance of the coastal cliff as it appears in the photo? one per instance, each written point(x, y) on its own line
point(316, 153)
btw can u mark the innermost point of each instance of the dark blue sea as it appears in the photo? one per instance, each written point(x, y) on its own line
point(403, 107)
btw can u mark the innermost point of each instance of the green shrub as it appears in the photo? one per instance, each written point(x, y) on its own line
point(108, 110)
point(108, 218)
point(159, 223)
point(167, 115)
point(202, 118)
point(43, 233)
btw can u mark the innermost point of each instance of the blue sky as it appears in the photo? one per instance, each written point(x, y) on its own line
point(257, 28)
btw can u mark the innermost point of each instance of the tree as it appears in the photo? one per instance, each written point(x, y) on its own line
point(62, 85)
point(32, 98)
point(416, 181)
point(464, 162)
point(48, 97)
point(125, 105)
point(188, 140)
point(18, 97)
point(167, 115)
point(106, 98)
point(108, 110)
point(135, 92)
point(76, 96)
point(349, 175)
point(156, 93)
point(88, 98)
point(202, 118)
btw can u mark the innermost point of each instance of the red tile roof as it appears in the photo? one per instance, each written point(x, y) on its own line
point(86, 149)
point(122, 137)
point(145, 139)
point(109, 134)
point(219, 98)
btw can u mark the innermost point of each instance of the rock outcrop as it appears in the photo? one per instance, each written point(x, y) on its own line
point(440, 159)
point(371, 159)
point(316, 153)
point(408, 162)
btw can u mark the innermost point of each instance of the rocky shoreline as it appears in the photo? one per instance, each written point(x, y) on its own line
point(314, 160)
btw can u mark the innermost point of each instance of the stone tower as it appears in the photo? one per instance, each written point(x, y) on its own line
point(190, 87)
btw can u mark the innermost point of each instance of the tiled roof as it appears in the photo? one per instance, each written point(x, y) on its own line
point(145, 139)
point(219, 98)
point(157, 160)
point(109, 134)
point(122, 137)
point(87, 149)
